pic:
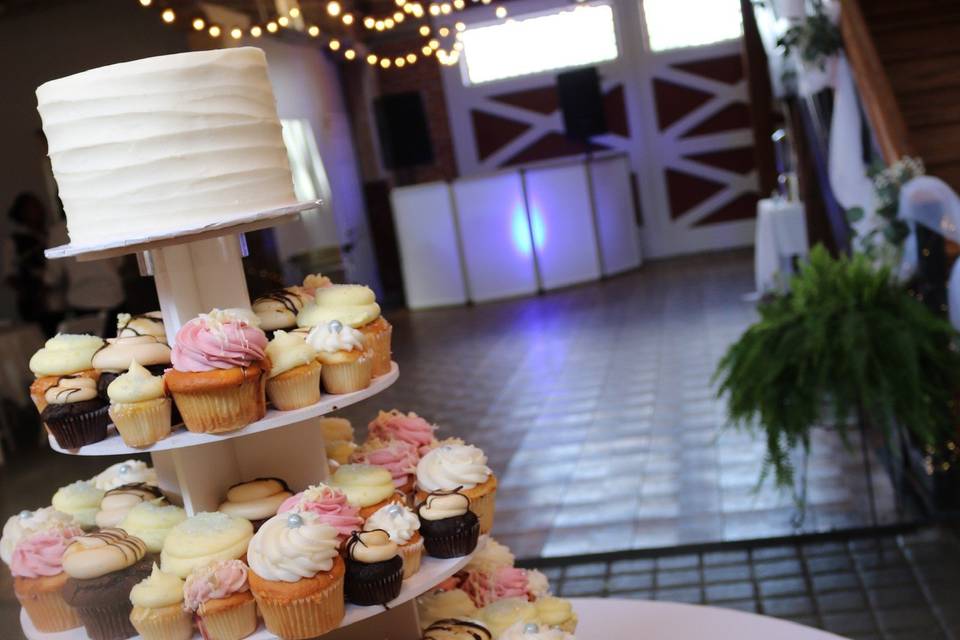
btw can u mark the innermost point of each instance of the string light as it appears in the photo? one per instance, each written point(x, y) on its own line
point(389, 23)
point(272, 27)
point(444, 32)
point(385, 63)
point(425, 50)
point(256, 31)
point(146, 3)
point(199, 24)
point(236, 33)
point(333, 8)
point(459, 4)
point(501, 12)
point(372, 59)
point(411, 58)
point(398, 17)
point(334, 44)
point(313, 31)
point(347, 19)
point(445, 8)
point(294, 12)
point(425, 30)
point(283, 21)
point(379, 25)
point(400, 62)
point(460, 26)
point(349, 54)
point(434, 44)
point(434, 10)
point(214, 31)
point(168, 16)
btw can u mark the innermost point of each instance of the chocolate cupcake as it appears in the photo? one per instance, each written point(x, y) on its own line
point(103, 567)
point(451, 629)
point(374, 568)
point(75, 413)
point(448, 527)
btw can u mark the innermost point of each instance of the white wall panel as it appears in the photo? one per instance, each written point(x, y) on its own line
point(429, 254)
point(613, 200)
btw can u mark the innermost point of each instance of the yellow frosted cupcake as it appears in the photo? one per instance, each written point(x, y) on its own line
point(355, 306)
point(152, 522)
point(297, 575)
point(445, 605)
point(294, 380)
point(64, 354)
point(202, 539)
point(347, 364)
point(501, 615)
point(158, 612)
point(81, 500)
point(219, 593)
point(338, 440)
point(461, 468)
point(556, 612)
point(139, 407)
point(367, 487)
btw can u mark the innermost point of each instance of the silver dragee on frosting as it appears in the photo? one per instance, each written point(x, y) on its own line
point(288, 548)
point(451, 466)
point(161, 144)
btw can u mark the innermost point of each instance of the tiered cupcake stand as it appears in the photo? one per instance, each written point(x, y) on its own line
point(196, 270)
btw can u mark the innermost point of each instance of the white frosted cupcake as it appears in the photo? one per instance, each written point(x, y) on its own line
point(294, 380)
point(460, 468)
point(347, 365)
point(126, 472)
point(139, 407)
point(401, 525)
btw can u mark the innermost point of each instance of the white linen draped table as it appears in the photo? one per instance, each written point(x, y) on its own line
point(780, 237)
point(613, 619)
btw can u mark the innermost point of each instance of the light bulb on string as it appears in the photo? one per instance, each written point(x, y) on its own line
point(399, 62)
point(168, 16)
point(378, 25)
point(199, 24)
point(294, 12)
point(313, 31)
point(283, 21)
point(272, 27)
point(236, 33)
point(459, 36)
point(444, 32)
point(457, 46)
point(347, 19)
point(434, 44)
point(385, 63)
point(349, 54)
point(424, 30)
point(256, 31)
point(146, 3)
point(460, 26)
point(400, 3)
point(334, 44)
point(369, 22)
point(214, 31)
point(501, 12)
point(389, 23)
point(434, 10)
point(459, 4)
point(398, 17)
point(445, 8)
point(411, 58)
point(372, 59)
point(333, 8)
point(425, 50)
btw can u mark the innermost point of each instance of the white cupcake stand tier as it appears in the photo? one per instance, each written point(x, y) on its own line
point(194, 271)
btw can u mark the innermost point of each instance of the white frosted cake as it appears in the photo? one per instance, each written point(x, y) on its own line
point(165, 144)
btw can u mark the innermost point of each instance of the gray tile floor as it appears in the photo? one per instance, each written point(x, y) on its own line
point(895, 587)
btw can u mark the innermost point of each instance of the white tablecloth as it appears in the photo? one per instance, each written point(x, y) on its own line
point(781, 236)
point(612, 619)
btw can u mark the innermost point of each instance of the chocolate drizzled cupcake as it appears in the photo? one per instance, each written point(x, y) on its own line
point(103, 567)
point(456, 630)
point(279, 309)
point(117, 503)
point(374, 568)
point(448, 527)
point(75, 414)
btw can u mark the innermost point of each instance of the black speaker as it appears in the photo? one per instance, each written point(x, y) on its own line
point(582, 103)
point(402, 125)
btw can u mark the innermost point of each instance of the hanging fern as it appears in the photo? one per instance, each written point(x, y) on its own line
point(847, 341)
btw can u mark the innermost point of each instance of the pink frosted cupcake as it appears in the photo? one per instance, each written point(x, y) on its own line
point(330, 506)
point(38, 578)
point(219, 595)
point(503, 582)
point(409, 427)
point(219, 374)
point(398, 457)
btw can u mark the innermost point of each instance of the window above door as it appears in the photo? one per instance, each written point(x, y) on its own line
point(676, 24)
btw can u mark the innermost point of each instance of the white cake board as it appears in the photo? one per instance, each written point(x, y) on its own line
point(237, 223)
point(398, 621)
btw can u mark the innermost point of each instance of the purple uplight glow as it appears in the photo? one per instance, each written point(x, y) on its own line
point(521, 228)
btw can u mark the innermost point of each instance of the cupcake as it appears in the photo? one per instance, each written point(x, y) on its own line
point(81, 500)
point(489, 556)
point(117, 503)
point(367, 487)
point(64, 354)
point(406, 427)
point(347, 364)
point(454, 629)
point(534, 631)
point(330, 506)
point(152, 522)
point(256, 500)
point(460, 468)
point(219, 372)
point(29, 522)
point(202, 539)
point(139, 407)
point(355, 306)
point(103, 567)
point(398, 457)
point(314, 281)
point(75, 414)
point(448, 527)
point(294, 380)
point(338, 439)
point(279, 309)
point(119, 354)
point(374, 569)
point(158, 612)
point(141, 324)
point(444, 605)
point(296, 575)
point(339, 453)
point(219, 594)
point(485, 587)
point(123, 473)
point(503, 614)
point(38, 578)
point(402, 525)
point(556, 612)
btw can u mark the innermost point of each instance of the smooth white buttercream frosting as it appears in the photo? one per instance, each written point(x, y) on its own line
point(291, 546)
point(452, 466)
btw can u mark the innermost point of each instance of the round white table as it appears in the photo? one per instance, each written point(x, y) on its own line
point(613, 619)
